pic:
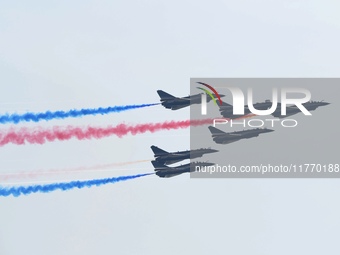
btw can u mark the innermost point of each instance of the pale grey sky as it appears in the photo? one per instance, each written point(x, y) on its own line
point(61, 55)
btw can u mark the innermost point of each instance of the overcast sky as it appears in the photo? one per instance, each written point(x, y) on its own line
point(58, 55)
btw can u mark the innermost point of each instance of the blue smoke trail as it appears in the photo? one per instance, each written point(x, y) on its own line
point(26, 190)
point(35, 117)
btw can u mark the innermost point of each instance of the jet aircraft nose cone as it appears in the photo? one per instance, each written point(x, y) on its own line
point(267, 130)
point(211, 150)
point(222, 95)
point(325, 103)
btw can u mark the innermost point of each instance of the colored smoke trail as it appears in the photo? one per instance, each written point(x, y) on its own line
point(38, 173)
point(36, 117)
point(26, 190)
point(41, 135)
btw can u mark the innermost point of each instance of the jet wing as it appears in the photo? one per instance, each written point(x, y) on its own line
point(182, 104)
point(289, 112)
point(226, 139)
point(168, 173)
point(222, 137)
point(167, 161)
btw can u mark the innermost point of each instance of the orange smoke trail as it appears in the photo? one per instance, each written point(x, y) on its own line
point(141, 128)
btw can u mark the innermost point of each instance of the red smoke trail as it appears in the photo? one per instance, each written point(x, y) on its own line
point(38, 173)
point(41, 135)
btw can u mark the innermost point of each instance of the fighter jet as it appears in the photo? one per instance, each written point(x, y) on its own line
point(226, 109)
point(166, 171)
point(291, 110)
point(175, 103)
point(168, 158)
point(221, 137)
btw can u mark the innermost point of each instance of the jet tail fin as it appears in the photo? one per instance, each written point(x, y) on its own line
point(215, 131)
point(164, 96)
point(158, 152)
point(225, 104)
point(158, 166)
